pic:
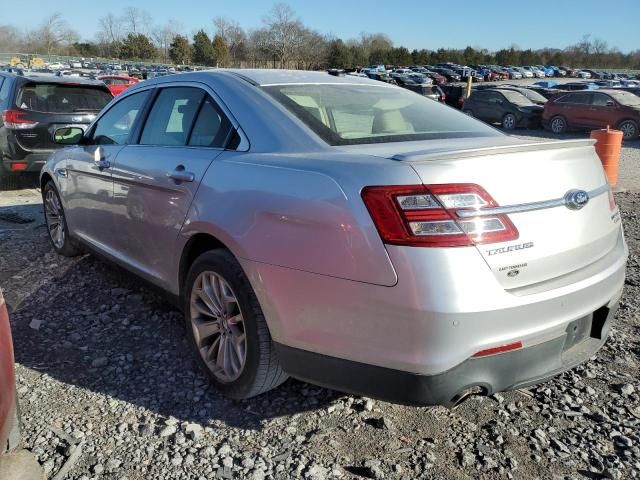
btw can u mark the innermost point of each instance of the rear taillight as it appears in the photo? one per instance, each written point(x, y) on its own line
point(14, 119)
point(429, 216)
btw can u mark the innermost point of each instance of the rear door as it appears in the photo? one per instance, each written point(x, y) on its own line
point(603, 111)
point(574, 107)
point(494, 106)
point(156, 179)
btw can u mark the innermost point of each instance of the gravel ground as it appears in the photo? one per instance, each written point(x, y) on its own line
point(108, 390)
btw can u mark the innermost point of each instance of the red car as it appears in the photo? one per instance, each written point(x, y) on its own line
point(20, 464)
point(594, 109)
point(9, 428)
point(117, 83)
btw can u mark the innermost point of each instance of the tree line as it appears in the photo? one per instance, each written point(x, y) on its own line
point(282, 41)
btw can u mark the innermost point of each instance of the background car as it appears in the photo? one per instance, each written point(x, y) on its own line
point(117, 83)
point(514, 73)
point(32, 106)
point(510, 108)
point(594, 110)
point(20, 464)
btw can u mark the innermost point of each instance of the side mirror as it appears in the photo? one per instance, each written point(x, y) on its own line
point(68, 135)
point(610, 103)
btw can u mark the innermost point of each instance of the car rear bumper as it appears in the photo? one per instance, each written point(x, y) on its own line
point(33, 161)
point(486, 375)
point(434, 320)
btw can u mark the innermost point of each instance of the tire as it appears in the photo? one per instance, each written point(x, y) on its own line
point(629, 129)
point(61, 241)
point(256, 368)
point(558, 125)
point(509, 121)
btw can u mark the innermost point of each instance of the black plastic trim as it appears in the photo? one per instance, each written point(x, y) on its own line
point(505, 371)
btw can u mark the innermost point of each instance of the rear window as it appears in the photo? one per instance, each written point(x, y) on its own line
point(626, 98)
point(59, 98)
point(344, 114)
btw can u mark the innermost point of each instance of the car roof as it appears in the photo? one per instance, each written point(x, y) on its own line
point(32, 77)
point(265, 77)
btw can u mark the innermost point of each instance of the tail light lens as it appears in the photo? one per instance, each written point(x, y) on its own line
point(427, 216)
point(14, 119)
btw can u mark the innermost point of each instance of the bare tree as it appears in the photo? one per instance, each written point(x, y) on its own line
point(163, 36)
point(285, 33)
point(136, 20)
point(110, 28)
point(53, 34)
point(234, 37)
point(313, 50)
point(10, 38)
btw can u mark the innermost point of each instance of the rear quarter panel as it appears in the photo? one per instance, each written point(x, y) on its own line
point(300, 212)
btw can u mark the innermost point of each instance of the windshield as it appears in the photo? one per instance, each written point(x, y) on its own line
point(531, 95)
point(61, 98)
point(344, 114)
point(516, 97)
point(626, 98)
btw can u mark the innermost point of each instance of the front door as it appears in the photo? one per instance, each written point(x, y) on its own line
point(156, 179)
point(602, 112)
point(88, 186)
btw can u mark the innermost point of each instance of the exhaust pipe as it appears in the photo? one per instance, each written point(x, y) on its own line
point(463, 395)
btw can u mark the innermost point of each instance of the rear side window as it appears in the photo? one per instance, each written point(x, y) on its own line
point(577, 98)
point(60, 98)
point(211, 127)
point(600, 100)
point(171, 117)
point(114, 127)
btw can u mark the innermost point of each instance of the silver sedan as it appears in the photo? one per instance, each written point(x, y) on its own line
point(345, 232)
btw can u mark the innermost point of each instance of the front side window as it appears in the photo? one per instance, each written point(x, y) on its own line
point(172, 116)
point(353, 114)
point(600, 100)
point(114, 127)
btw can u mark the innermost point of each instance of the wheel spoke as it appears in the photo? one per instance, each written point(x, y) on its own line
point(205, 329)
point(218, 326)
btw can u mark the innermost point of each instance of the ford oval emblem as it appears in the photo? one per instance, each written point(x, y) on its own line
point(576, 199)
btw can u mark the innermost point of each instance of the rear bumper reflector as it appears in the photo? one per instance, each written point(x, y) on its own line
point(500, 349)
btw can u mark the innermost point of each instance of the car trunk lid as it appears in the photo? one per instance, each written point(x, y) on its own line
point(533, 180)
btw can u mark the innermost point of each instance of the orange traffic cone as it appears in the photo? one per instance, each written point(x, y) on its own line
point(608, 146)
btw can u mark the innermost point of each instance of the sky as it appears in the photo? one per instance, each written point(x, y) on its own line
point(491, 24)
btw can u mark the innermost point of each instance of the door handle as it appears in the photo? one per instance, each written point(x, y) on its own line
point(102, 163)
point(180, 175)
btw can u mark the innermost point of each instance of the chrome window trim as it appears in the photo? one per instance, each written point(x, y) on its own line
point(526, 207)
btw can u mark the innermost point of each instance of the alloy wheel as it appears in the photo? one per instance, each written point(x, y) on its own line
point(558, 125)
point(218, 326)
point(55, 218)
point(629, 130)
point(509, 121)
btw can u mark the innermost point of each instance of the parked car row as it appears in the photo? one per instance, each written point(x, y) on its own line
point(450, 72)
point(558, 110)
